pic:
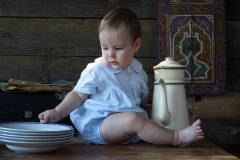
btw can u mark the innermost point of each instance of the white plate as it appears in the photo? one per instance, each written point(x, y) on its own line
point(33, 139)
point(35, 127)
point(33, 147)
point(9, 134)
point(36, 133)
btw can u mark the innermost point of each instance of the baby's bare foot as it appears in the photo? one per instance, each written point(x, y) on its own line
point(188, 135)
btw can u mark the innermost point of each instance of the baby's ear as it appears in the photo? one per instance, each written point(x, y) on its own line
point(137, 44)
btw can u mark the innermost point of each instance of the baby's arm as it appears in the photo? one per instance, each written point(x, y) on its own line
point(72, 101)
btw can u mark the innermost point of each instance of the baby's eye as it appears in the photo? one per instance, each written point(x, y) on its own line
point(118, 48)
point(104, 48)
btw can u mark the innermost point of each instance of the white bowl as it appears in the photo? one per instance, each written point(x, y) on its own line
point(33, 147)
point(35, 127)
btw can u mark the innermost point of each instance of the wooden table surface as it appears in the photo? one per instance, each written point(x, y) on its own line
point(79, 149)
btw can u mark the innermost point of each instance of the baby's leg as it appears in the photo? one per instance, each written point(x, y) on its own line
point(120, 127)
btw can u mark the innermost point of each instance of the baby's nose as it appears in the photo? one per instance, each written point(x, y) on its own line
point(112, 53)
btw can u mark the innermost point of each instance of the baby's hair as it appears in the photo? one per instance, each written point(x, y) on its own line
point(121, 17)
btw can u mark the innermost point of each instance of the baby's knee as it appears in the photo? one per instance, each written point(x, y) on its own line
point(135, 118)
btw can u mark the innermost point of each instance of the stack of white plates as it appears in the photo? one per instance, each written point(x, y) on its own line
point(34, 137)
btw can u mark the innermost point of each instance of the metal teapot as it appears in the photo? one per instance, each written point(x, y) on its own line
point(169, 107)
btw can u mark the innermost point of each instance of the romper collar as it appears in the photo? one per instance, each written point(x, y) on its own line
point(135, 65)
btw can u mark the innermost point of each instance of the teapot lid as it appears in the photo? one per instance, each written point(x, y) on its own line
point(169, 63)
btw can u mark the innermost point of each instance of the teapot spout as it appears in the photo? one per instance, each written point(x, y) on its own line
point(163, 105)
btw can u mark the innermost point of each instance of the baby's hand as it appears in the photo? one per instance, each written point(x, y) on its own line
point(49, 116)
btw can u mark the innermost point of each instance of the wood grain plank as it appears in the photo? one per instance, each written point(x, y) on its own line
point(232, 10)
point(216, 107)
point(217, 154)
point(48, 69)
point(233, 39)
point(145, 9)
point(222, 131)
point(62, 37)
point(80, 149)
point(233, 74)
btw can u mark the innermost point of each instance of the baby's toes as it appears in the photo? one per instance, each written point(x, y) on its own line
point(197, 128)
point(197, 123)
point(200, 134)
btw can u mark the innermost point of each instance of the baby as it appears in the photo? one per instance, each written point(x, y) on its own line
point(106, 104)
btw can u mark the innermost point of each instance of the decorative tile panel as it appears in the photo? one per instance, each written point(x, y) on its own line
point(192, 32)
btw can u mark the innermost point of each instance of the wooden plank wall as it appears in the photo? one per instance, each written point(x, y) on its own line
point(44, 41)
point(37, 32)
point(233, 45)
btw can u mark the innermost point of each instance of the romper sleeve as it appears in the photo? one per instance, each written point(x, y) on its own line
point(88, 82)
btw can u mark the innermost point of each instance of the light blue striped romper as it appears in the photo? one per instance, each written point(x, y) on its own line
point(111, 91)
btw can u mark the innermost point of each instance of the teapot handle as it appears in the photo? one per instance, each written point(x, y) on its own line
point(163, 105)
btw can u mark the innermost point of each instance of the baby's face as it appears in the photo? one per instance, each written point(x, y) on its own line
point(117, 48)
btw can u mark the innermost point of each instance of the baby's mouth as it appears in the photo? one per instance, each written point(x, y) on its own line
point(113, 62)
